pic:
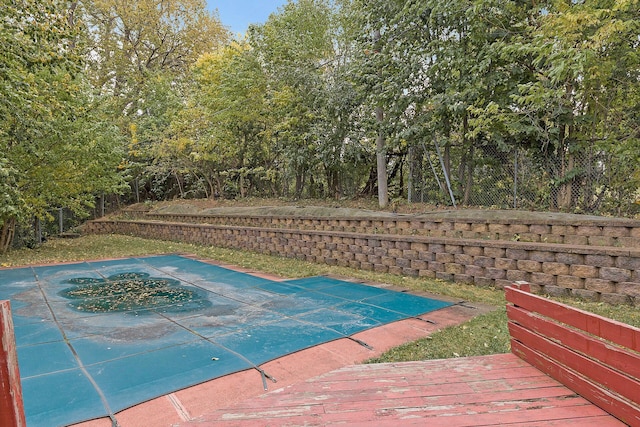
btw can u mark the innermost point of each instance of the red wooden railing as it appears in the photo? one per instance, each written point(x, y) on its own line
point(11, 406)
point(596, 357)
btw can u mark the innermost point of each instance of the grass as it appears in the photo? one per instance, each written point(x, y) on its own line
point(482, 335)
point(485, 334)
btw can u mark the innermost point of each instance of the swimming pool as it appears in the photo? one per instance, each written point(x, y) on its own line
point(98, 337)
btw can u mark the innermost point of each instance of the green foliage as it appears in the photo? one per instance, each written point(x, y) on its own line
point(322, 100)
point(56, 150)
point(10, 197)
point(141, 53)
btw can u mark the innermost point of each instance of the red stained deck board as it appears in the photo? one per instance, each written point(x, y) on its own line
point(392, 394)
point(11, 404)
point(601, 374)
point(491, 413)
point(600, 396)
point(614, 331)
point(358, 390)
point(616, 357)
point(598, 421)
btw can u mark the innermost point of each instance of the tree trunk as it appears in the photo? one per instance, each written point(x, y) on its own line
point(469, 177)
point(370, 186)
point(179, 182)
point(565, 190)
point(300, 180)
point(381, 152)
point(7, 232)
point(381, 162)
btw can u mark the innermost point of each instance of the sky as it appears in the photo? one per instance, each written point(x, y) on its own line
point(238, 14)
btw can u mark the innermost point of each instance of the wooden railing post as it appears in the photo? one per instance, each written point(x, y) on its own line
point(11, 405)
point(523, 286)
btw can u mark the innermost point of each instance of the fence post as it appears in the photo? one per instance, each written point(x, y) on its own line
point(515, 180)
point(11, 405)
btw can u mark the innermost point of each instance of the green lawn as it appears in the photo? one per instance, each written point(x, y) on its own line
point(485, 334)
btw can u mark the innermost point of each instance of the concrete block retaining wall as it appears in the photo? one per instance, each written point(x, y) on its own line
point(605, 232)
point(601, 273)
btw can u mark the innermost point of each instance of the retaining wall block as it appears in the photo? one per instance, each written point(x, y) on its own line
point(419, 264)
point(589, 230)
point(599, 285)
point(436, 266)
point(599, 260)
point(380, 268)
point(463, 259)
point(463, 278)
point(615, 274)
point(411, 272)
point(473, 250)
point(628, 288)
point(454, 268)
point(444, 276)
point(409, 254)
point(483, 282)
point(544, 279)
point(518, 276)
point(517, 254)
point(585, 294)
point(506, 264)
point(576, 240)
point(628, 263)
point(480, 228)
point(495, 273)
point(445, 257)
point(602, 241)
point(584, 271)
point(555, 291)
point(542, 256)
point(494, 252)
point(484, 261)
point(629, 242)
point(529, 266)
point(429, 274)
point(615, 299)
point(419, 246)
point(568, 258)
point(474, 270)
point(555, 268)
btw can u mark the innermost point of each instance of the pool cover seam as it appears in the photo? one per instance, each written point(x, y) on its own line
point(297, 319)
point(81, 366)
point(333, 306)
point(253, 365)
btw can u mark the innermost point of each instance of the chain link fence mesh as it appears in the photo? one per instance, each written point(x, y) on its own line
point(584, 182)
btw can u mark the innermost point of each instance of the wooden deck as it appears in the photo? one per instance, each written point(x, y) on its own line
point(497, 390)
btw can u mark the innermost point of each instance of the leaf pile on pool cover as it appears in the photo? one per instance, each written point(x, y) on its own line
point(132, 292)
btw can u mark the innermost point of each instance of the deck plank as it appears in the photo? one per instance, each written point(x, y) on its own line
point(475, 391)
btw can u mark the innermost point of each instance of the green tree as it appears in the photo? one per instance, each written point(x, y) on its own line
point(294, 46)
point(55, 149)
point(142, 51)
point(219, 135)
point(581, 97)
point(377, 71)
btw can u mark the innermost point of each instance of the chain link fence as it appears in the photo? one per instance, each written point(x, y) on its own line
point(60, 222)
point(584, 182)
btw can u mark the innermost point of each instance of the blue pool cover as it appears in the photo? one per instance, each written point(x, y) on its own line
point(95, 338)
